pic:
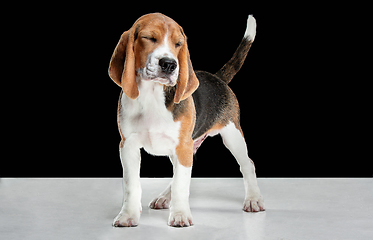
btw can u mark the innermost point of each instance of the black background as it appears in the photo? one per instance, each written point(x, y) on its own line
point(299, 105)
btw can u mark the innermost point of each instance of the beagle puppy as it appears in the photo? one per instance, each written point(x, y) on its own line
point(169, 109)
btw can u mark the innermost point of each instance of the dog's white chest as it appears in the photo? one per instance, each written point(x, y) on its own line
point(148, 121)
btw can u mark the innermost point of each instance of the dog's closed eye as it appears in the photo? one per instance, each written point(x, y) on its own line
point(152, 39)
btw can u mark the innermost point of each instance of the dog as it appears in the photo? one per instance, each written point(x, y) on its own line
point(169, 109)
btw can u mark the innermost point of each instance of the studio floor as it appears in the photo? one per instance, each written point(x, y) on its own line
point(84, 209)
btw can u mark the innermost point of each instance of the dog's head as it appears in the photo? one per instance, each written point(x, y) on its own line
point(154, 49)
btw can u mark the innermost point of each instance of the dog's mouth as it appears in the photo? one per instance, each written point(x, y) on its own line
point(164, 81)
point(148, 74)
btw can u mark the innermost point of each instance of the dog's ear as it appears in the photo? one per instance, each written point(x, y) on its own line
point(188, 81)
point(122, 65)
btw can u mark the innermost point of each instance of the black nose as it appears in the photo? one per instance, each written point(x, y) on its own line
point(168, 65)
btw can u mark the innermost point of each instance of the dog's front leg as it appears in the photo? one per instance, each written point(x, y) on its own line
point(130, 156)
point(180, 215)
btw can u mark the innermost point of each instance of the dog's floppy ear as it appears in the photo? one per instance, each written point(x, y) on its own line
point(188, 81)
point(122, 65)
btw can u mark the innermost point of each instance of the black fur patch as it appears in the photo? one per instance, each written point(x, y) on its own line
point(176, 109)
point(212, 100)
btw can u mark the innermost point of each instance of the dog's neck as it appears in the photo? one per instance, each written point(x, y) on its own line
point(158, 95)
point(150, 94)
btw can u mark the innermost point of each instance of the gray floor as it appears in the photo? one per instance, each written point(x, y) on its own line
point(84, 209)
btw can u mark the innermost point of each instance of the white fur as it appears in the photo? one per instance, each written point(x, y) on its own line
point(153, 71)
point(250, 28)
point(131, 208)
point(146, 123)
point(177, 199)
point(235, 142)
point(180, 214)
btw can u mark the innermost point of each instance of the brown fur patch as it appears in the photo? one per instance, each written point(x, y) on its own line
point(184, 150)
point(227, 72)
point(118, 120)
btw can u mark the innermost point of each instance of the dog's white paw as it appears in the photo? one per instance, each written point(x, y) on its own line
point(126, 220)
point(254, 204)
point(180, 219)
point(161, 202)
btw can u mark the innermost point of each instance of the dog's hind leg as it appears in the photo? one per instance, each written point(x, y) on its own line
point(233, 139)
point(163, 200)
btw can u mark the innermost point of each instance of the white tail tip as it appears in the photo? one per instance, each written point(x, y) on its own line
point(250, 28)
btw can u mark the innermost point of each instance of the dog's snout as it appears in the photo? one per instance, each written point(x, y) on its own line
point(168, 65)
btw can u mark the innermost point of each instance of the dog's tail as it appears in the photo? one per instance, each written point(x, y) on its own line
point(227, 72)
